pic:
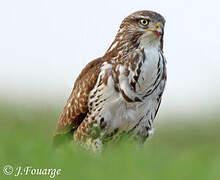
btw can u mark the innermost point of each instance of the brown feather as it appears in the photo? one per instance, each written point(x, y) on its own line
point(73, 115)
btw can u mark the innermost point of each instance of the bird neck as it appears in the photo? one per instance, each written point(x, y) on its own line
point(150, 42)
point(125, 44)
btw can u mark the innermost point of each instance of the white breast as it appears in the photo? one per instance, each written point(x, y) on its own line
point(116, 111)
point(149, 69)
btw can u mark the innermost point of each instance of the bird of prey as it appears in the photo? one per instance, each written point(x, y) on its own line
point(120, 92)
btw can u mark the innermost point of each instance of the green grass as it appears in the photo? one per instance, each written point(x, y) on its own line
point(181, 151)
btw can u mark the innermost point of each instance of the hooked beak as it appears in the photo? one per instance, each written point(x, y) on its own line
point(157, 28)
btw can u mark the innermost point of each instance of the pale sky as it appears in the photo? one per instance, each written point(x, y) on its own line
point(44, 44)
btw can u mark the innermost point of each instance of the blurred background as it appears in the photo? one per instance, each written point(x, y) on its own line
point(44, 44)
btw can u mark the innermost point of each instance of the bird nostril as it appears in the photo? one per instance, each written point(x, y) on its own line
point(158, 25)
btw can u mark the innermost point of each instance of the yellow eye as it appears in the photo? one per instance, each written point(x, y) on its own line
point(145, 22)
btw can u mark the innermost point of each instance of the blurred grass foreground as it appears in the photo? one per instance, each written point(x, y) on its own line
point(176, 151)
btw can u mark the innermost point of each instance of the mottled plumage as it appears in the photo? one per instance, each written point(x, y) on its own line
point(121, 91)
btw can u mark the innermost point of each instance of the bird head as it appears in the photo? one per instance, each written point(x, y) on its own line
point(142, 27)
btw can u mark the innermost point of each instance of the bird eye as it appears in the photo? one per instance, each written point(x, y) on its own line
point(144, 22)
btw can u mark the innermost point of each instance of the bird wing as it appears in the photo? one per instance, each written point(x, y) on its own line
point(76, 107)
